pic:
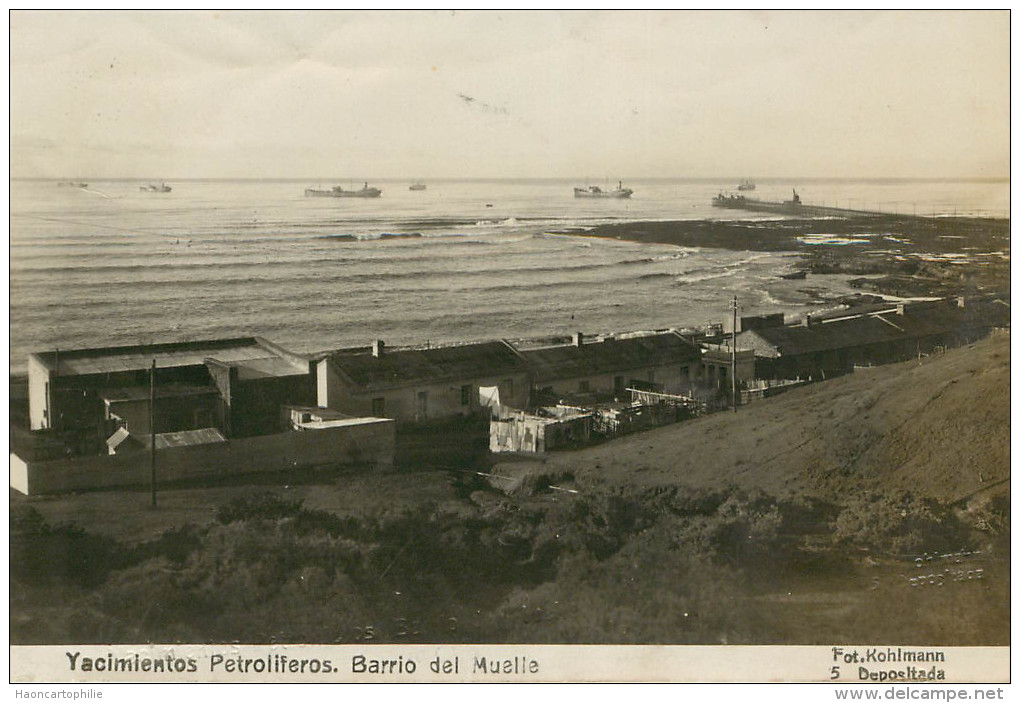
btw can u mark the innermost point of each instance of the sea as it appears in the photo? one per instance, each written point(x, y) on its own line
point(463, 260)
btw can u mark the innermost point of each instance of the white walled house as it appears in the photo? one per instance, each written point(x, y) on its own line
point(419, 384)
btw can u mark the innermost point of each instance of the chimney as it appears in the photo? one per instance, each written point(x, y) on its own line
point(377, 348)
point(577, 339)
point(900, 310)
point(807, 321)
point(960, 303)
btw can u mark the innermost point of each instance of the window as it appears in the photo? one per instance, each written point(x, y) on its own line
point(618, 384)
point(379, 407)
point(685, 371)
point(651, 376)
point(423, 405)
point(506, 388)
point(583, 386)
point(465, 395)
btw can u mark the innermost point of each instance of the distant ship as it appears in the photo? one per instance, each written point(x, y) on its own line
point(153, 188)
point(596, 192)
point(417, 185)
point(747, 184)
point(72, 184)
point(339, 192)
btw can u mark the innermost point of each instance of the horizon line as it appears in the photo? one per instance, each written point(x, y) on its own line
point(302, 179)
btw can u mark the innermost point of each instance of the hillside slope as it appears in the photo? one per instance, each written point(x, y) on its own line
point(937, 426)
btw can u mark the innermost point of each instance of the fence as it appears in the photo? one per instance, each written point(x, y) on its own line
point(766, 388)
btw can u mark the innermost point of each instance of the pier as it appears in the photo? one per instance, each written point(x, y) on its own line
point(796, 207)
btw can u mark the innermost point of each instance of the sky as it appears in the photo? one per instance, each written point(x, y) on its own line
point(402, 94)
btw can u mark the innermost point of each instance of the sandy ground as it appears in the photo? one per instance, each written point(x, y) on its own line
point(937, 427)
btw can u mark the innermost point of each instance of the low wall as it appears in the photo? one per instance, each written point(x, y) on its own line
point(367, 443)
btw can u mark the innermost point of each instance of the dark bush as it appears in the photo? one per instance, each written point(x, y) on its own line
point(901, 524)
point(61, 554)
point(259, 506)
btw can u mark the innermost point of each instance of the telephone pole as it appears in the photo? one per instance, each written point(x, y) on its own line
point(733, 354)
point(152, 431)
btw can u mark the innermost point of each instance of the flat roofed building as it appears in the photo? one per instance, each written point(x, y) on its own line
point(74, 389)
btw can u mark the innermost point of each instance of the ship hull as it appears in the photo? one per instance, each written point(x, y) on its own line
point(581, 193)
point(370, 193)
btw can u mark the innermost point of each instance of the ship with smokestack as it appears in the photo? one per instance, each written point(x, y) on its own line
point(597, 192)
point(339, 192)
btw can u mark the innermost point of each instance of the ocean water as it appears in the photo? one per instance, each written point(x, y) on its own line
point(462, 260)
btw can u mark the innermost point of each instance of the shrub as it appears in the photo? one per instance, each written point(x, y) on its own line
point(901, 524)
point(259, 506)
point(61, 554)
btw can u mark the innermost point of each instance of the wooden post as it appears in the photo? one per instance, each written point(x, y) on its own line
point(733, 355)
point(152, 431)
point(51, 391)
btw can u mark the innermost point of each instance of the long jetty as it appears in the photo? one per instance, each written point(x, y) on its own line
point(795, 207)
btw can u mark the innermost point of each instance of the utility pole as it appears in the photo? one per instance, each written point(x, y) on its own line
point(733, 354)
point(152, 430)
point(51, 393)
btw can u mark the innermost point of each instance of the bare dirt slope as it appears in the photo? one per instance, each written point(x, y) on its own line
point(938, 427)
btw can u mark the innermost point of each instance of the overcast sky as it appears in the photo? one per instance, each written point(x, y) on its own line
point(530, 94)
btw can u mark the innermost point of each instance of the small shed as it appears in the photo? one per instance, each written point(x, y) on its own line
point(517, 431)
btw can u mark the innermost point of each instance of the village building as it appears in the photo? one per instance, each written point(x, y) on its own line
point(233, 385)
point(717, 366)
point(421, 384)
point(608, 366)
point(220, 408)
point(829, 345)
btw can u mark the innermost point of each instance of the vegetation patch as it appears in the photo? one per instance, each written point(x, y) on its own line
point(606, 564)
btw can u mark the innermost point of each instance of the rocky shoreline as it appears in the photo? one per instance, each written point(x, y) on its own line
point(899, 255)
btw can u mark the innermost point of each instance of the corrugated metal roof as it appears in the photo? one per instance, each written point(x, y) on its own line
point(187, 438)
point(401, 367)
point(859, 331)
point(609, 356)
